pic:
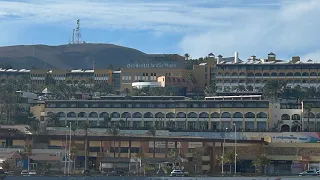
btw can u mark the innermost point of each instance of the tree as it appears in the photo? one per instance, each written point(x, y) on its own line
point(27, 151)
point(229, 159)
point(192, 79)
point(241, 88)
point(114, 131)
point(34, 129)
point(296, 126)
point(47, 168)
point(54, 119)
point(106, 121)
point(8, 100)
point(249, 88)
point(210, 90)
point(261, 161)
point(308, 108)
point(126, 91)
point(6, 165)
point(153, 132)
point(273, 88)
point(73, 156)
point(186, 56)
point(86, 126)
point(74, 128)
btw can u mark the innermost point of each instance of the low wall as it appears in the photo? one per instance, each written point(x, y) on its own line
point(158, 178)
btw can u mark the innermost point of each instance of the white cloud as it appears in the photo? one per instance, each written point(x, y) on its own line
point(285, 27)
point(288, 29)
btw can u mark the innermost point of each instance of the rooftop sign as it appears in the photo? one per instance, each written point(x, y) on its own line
point(155, 65)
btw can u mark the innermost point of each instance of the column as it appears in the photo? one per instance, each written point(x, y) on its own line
point(129, 150)
point(166, 149)
point(212, 157)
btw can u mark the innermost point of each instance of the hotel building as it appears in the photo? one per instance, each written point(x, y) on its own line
point(168, 112)
point(229, 73)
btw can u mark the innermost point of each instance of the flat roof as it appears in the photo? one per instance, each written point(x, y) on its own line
point(139, 138)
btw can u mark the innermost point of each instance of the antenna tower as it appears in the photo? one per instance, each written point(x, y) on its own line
point(78, 32)
point(72, 41)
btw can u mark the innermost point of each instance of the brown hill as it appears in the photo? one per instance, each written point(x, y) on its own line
point(76, 56)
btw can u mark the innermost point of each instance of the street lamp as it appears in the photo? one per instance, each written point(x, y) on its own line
point(235, 148)
point(69, 154)
point(222, 157)
point(65, 153)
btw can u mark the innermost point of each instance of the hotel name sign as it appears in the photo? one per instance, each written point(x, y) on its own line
point(154, 65)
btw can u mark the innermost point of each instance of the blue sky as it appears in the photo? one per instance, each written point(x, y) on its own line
point(197, 27)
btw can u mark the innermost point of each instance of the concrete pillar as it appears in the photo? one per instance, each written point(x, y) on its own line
point(129, 150)
point(213, 158)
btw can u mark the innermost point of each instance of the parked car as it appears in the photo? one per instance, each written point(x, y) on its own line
point(116, 173)
point(86, 172)
point(24, 173)
point(177, 173)
point(33, 172)
point(309, 173)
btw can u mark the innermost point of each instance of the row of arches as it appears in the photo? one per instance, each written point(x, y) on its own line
point(161, 115)
point(298, 117)
point(258, 81)
point(274, 74)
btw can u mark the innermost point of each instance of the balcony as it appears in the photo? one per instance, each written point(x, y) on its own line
point(261, 119)
point(237, 119)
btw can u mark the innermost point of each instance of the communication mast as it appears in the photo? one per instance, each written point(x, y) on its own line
point(72, 41)
point(78, 32)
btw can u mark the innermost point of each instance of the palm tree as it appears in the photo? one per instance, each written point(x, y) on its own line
point(261, 161)
point(74, 128)
point(73, 154)
point(34, 129)
point(274, 88)
point(210, 90)
point(54, 119)
point(8, 100)
point(126, 91)
point(229, 159)
point(249, 88)
point(296, 126)
point(192, 79)
point(241, 88)
point(153, 132)
point(86, 126)
point(308, 108)
point(186, 56)
point(114, 131)
point(6, 165)
point(106, 121)
point(27, 151)
point(47, 168)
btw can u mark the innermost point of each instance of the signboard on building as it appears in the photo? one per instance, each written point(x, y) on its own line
point(163, 64)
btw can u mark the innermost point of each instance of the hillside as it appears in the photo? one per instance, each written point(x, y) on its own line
point(76, 56)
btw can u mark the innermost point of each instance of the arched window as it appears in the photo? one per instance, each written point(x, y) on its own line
point(225, 115)
point(249, 115)
point(148, 115)
point(126, 115)
point(262, 115)
point(203, 115)
point(237, 115)
point(137, 115)
point(285, 117)
point(192, 115)
point(215, 115)
point(181, 115)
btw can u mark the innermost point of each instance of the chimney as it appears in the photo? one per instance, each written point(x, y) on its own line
point(253, 57)
point(271, 57)
point(295, 59)
point(219, 59)
point(236, 57)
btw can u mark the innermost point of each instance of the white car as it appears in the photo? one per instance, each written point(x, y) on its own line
point(177, 173)
point(24, 172)
point(32, 172)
